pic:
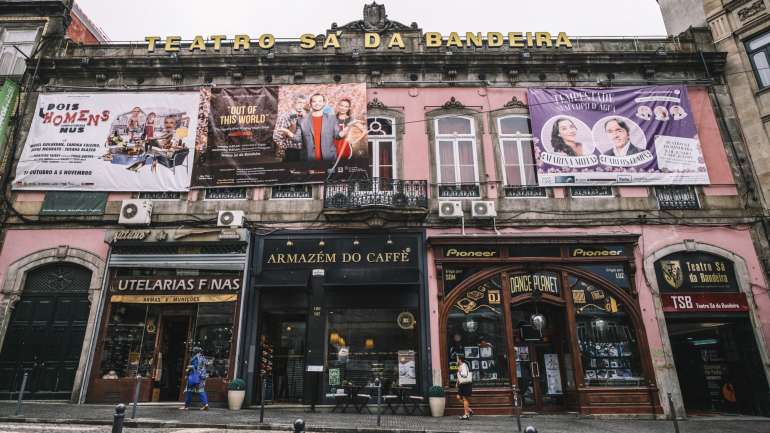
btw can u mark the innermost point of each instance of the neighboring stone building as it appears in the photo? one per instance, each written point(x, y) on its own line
point(587, 297)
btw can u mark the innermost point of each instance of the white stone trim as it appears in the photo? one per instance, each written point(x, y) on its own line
point(15, 277)
point(668, 381)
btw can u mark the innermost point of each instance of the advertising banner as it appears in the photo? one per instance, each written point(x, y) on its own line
point(281, 135)
point(608, 136)
point(110, 142)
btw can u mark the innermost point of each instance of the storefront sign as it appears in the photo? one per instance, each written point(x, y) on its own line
point(346, 252)
point(73, 203)
point(308, 41)
point(264, 134)
point(173, 299)
point(110, 142)
point(611, 136)
point(614, 273)
point(175, 284)
point(704, 303)
point(597, 251)
point(471, 252)
point(406, 320)
point(696, 271)
point(546, 282)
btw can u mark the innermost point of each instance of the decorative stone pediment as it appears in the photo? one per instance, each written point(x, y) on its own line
point(374, 20)
point(515, 103)
point(751, 10)
point(452, 103)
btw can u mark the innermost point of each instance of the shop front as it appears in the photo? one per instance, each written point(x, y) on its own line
point(164, 297)
point(553, 325)
point(334, 312)
point(712, 336)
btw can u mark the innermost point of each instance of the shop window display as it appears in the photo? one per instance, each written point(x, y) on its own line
point(365, 344)
point(606, 337)
point(214, 333)
point(475, 329)
point(129, 344)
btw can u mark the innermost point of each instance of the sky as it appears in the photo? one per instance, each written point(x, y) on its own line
point(133, 20)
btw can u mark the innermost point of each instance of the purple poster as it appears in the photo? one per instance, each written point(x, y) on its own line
point(609, 136)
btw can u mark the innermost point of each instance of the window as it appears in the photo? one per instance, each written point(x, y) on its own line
point(226, 194)
point(606, 337)
point(160, 195)
point(591, 191)
point(280, 192)
point(676, 197)
point(12, 62)
point(758, 50)
point(456, 160)
point(516, 150)
point(382, 147)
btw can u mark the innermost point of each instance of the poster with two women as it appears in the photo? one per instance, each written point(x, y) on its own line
point(616, 136)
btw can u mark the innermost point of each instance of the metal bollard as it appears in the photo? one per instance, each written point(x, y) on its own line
point(530, 429)
point(299, 426)
point(21, 393)
point(378, 384)
point(262, 402)
point(517, 407)
point(673, 413)
point(118, 417)
point(136, 395)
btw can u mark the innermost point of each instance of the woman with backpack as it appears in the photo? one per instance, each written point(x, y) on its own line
point(196, 380)
point(464, 386)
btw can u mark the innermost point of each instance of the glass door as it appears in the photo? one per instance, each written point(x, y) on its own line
point(286, 334)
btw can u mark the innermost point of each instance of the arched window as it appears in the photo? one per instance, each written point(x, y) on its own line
point(606, 337)
point(382, 147)
point(456, 160)
point(515, 140)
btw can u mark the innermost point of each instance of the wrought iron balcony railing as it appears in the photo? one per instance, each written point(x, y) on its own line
point(677, 197)
point(390, 193)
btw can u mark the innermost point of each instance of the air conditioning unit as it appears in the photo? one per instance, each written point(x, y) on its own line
point(230, 218)
point(483, 209)
point(135, 212)
point(450, 209)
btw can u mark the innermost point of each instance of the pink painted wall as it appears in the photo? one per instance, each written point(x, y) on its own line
point(20, 243)
point(416, 102)
point(652, 239)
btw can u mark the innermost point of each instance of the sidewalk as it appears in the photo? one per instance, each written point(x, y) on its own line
point(166, 416)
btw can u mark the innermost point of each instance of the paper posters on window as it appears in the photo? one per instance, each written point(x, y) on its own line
point(625, 135)
point(407, 373)
point(552, 373)
point(265, 135)
point(110, 142)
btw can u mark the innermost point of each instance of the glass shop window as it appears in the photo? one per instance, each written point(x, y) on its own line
point(475, 328)
point(365, 344)
point(606, 337)
point(214, 334)
point(129, 344)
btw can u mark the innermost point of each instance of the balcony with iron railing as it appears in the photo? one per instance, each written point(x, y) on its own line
point(376, 199)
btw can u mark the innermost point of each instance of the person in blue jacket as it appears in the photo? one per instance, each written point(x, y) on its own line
point(196, 380)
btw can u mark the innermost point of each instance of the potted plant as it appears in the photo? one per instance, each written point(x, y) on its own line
point(436, 400)
point(236, 392)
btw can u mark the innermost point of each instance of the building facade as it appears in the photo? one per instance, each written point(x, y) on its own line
point(447, 239)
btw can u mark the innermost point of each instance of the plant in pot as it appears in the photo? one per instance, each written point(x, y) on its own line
point(436, 400)
point(236, 392)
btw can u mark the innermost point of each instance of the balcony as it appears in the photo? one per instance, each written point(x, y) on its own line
point(376, 200)
point(677, 197)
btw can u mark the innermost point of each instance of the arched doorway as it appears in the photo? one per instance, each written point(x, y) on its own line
point(46, 331)
point(590, 353)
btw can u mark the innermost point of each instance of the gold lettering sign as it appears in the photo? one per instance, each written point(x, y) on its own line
point(323, 258)
point(173, 299)
point(596, 252)
point(544, 283)
point(307, 41)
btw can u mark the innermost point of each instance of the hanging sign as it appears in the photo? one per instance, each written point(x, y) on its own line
point(704, 303)
point(695, 272)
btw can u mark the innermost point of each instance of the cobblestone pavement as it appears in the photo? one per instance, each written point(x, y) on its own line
point(62, 417)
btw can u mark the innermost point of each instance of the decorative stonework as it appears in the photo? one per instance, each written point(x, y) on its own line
point(751, 10)
point(376, 104)
point(452, 103)
point(515, 103)
point(374, 20)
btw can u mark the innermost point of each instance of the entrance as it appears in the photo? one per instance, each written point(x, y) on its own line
point(46, 331)
point(539, 357)
point(174, 356)
point(286, 333)
point(718, 366)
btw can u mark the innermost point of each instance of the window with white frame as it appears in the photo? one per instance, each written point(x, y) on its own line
point(456, 162)
point(758, 50)
point(518, 161)
point(12, 62)
point(382, 147)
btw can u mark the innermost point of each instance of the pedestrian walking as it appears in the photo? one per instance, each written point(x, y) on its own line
point(464, 386)
point(196, 380)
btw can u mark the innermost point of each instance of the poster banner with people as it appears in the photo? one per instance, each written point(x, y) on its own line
point(607, 136)
point(110, 142)
point(266, 135)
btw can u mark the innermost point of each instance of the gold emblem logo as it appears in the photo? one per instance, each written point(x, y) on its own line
point(672, 273)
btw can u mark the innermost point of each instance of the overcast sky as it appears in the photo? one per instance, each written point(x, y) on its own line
point(133, 20)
